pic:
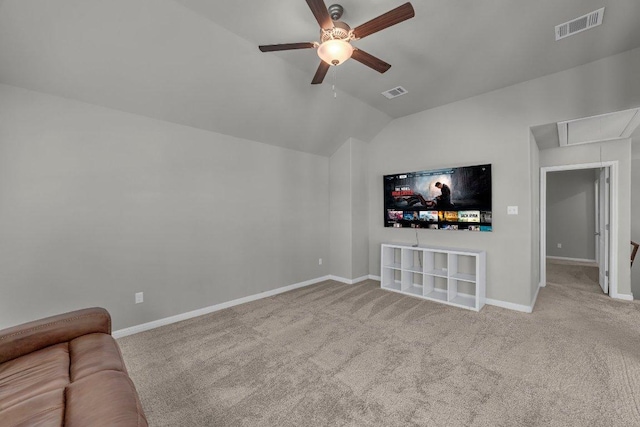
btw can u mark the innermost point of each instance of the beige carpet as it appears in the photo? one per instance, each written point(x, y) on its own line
point(355, 355)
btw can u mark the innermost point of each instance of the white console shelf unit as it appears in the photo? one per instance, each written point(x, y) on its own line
point(447, 275)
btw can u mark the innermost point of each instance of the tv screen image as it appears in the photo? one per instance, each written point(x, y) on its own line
point(469, 216)
point(443, 199)
point(429, 216)
point(394, 215)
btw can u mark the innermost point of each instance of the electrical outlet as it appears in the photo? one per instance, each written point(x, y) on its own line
point(319, 261)
point(559, 245)
point(139, 297)
point(512, 210)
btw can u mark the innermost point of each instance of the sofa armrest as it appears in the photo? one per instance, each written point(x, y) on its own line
point(32, 336)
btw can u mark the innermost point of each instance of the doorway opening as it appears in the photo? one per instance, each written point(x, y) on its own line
point(605, 228)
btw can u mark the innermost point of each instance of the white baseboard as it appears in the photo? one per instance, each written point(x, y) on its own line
point(206, 310)
point(509, 305)
point(202, 311)
point(625, 297)
point(561, 258)
point(348, 281)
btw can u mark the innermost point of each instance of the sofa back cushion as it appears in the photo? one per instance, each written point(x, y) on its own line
point(27, 338)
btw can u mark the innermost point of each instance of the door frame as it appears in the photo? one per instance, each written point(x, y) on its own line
point(613, 219)
point(603, 221)
point(597, 228)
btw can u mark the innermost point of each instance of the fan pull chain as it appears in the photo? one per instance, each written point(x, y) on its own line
point(333, 86)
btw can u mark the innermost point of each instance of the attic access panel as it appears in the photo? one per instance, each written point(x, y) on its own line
point(604, 127)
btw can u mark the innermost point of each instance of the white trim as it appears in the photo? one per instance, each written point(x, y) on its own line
point(348, 281)
point(625, 297)
point(372, 277)
point(596, 165)
point(543, 226)
point(613, 218)
point(562, 258)
point(340, 279)
point(510, 305)
point(217, 307)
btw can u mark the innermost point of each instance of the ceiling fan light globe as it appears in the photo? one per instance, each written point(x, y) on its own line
point(335, 52)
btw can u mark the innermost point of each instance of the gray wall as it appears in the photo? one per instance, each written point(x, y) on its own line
point(349, 211)
point(534, 158)
point(341, 226)
point(360, 206)
point(97, 204)
point(571, 218)
point(494, 128)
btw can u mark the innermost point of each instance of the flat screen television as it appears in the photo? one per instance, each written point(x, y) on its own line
point(442, 199)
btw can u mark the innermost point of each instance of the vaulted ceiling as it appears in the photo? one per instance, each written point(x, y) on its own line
point(196, 62)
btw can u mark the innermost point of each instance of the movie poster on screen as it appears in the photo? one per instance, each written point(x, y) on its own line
point(441, 199)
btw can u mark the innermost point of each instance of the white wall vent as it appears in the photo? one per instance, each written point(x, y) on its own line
point(395, 92)
point(578, 25)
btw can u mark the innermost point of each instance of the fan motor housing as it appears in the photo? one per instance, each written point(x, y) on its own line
point(340, 31)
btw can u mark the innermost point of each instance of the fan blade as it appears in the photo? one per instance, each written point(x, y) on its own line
point(322, 71)
point(393, 17)
point(286, 46)
point(370, 61)
point(321, 13)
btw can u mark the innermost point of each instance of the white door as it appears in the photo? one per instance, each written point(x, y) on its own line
point(603, 229)
point(597, 216)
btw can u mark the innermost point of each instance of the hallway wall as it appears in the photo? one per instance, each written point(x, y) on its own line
point(571, 218)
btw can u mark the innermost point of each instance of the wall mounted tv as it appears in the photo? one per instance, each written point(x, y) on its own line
point(442, 199)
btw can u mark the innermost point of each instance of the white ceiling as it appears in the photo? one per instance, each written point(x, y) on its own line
point(196, 62)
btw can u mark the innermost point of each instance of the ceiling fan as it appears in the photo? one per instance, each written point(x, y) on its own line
point(336, 36)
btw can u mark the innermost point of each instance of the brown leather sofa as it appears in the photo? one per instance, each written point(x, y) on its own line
point(66, 370)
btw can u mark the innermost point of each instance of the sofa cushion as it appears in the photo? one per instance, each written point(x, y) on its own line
point(43, 410)
point(106, 398)
point(34, 374)
point(94, 353)
point(66, 370)
point(33, 336)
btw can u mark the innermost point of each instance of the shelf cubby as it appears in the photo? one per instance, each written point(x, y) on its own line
point(392, 257)
point(438, 291)
point(412, 282)
point(391, 278)
point(448, 275)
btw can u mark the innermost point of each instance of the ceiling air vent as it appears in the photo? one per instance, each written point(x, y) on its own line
point(578, 25)
point(395, 92)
